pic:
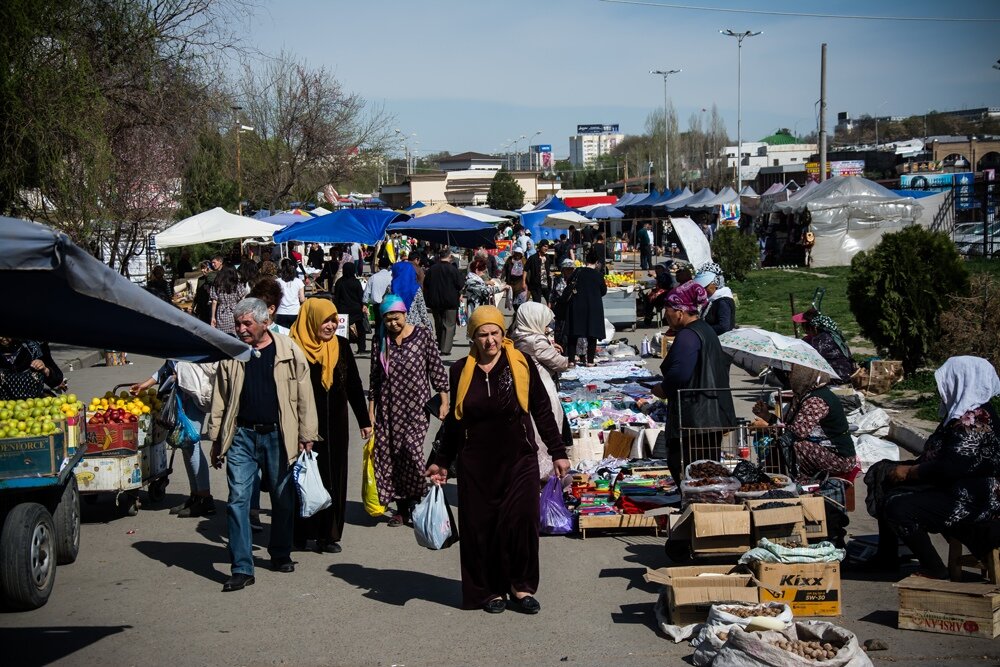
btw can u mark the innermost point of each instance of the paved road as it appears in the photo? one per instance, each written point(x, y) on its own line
point(146, 591)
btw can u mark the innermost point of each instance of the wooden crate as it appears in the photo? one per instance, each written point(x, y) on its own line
point(618, 522)
point(949, 607)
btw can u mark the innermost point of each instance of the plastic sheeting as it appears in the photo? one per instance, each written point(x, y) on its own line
point(850, 214)
point(693, 241)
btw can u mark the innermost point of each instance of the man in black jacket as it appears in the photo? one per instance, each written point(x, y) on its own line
point(538, 269)
point(442, 292)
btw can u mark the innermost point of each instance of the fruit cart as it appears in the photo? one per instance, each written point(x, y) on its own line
point(39, 499)
point(120, 456)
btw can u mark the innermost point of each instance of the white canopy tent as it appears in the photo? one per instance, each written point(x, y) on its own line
point(567, 219)
point(849, 214)
point(216, 224)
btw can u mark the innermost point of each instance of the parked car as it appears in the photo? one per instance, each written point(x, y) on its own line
point(968, 237)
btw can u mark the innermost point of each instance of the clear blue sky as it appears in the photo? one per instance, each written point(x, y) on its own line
point(475, 74)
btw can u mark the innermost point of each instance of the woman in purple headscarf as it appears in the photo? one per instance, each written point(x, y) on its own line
point(695, 383)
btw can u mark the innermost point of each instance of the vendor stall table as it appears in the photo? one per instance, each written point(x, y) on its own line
point(619, 307)
point(618, 522)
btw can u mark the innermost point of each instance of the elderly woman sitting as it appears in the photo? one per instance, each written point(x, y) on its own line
point(825, 336)
point(953, 487)
point(720, 311)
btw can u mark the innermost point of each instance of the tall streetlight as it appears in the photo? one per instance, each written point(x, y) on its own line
point(240, 129)
point(527, 147)
point(740, 36)
point(666, 140)
point(877, 109)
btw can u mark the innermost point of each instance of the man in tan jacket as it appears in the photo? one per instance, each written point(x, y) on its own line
point(263, 415)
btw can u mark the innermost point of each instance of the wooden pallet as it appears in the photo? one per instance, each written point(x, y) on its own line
point(618, 522)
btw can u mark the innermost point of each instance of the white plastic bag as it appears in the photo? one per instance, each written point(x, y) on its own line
point(757, 649)
point(432, 522)
point(313, 496)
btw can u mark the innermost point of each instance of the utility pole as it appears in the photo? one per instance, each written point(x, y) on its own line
point(666, 137)
point(822, 114)
point(239, 171)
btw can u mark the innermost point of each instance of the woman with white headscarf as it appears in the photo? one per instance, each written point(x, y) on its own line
point(720, 311)
point(530, 335)
point(953, 487)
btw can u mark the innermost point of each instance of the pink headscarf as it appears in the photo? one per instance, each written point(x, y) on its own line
point(689, 297)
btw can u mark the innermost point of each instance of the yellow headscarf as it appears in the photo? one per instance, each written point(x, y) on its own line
point(518, 364)
point(312, 314)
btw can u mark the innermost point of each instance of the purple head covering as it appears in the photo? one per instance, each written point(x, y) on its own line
point(689, 297)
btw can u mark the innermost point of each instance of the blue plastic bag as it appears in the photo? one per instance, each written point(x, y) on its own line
point(185, 432)
point(554, 518)
point(433, 524)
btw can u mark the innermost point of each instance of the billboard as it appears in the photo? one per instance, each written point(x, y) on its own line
point(542, 157)
point(962, 182)
point(597, 128)
point(838, 168)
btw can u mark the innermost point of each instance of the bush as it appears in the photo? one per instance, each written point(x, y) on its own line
point(971, 325)
point(899, 289)
point(735, 252)
point(504, 192)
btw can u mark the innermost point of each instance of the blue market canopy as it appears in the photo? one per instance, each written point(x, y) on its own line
point(626, 199)
point(347, 225)
point(641, 199)
point(418, 204)
point(285, 219)
point(604, 213)
point(727, 196)
point(61, 294)
point(553, 203)
point(448, 228)
point(704, 195)
point(681, 196)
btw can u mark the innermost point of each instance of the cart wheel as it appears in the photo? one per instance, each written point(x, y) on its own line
point(679, 551)
point(27, 557)
point(67, 522)
point(134, 506)
point(157, 489)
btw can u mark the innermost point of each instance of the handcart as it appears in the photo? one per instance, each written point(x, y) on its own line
point(122, 459)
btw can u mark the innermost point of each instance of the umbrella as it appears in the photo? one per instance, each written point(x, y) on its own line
point(604, 212)
point(565, 220)
point(448, 228)
point(753, 350)
point(61, 294)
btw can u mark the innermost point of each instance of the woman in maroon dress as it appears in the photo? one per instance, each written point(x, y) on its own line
point(496, 391)
point(404, 357)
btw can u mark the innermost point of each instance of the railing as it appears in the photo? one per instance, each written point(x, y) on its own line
point(944, 219)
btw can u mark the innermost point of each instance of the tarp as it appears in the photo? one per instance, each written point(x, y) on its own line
point(703, 195)
point(449, 228)
point(693, 241)
point(774, 189)
point(796, 192)
point(214, 225)
point(348, 225)
point(849, 214)
point(58, 293)
point(681, 196)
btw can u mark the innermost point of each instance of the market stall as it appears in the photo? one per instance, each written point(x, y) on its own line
point(213, 225)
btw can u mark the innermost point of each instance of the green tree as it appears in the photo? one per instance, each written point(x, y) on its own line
point(735, 252)
point(898, 290)
point(208, 181)
point(505, 193)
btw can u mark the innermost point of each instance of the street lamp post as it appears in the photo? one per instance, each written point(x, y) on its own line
point(239, 171)
point(666, 138)
point(879, 108)
point(740, 36)
point(527, 147)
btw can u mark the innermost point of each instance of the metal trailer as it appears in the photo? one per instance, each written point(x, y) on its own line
point(619, 307)
point(125, 474)
point(39, 513)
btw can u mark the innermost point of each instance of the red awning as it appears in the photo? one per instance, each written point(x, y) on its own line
point(577, 202)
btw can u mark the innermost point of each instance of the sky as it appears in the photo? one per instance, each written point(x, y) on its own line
point(472, 75)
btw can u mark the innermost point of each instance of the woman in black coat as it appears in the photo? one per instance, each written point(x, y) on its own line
point(585, 310)
point(348, 296)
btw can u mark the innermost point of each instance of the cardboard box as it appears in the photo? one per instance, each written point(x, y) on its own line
point(692, 590)
point(949, 607)
point(112, 439)
point(810, 589)
point(714, 529)
point(32, 456)
point(781, 525)
point(814, 513)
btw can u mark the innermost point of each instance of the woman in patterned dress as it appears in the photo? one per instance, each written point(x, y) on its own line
point(953, 487)
point(403, 358)
point(226, 292)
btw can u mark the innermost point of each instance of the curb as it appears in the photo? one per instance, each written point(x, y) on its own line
point(92, 358)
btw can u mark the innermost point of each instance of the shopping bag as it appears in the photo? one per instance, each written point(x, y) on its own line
point(369, 491)
point(433, 523)
point(313, 496)
point(185, 432)
point(554, 518)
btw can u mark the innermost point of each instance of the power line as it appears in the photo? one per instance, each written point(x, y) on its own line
point(858, 17)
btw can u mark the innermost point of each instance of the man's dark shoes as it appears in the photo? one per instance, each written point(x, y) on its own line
point(285, 565)
point(324, 547)
point(200, 506)
point(238, 582)
point(525, 605)
point(183, 506)
point(495, 606)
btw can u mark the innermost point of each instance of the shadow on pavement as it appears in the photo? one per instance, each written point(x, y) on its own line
point(397, 587)
point(194, 557)
point(355, 515)
point(634, 576)
point(884, 617)
point(27, 647)
point(636, 614)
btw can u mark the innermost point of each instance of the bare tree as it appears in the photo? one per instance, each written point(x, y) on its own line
point(308, 131)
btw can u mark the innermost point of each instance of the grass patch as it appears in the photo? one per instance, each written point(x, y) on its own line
point(763, 298)
point(921, 381)
point(927, 407)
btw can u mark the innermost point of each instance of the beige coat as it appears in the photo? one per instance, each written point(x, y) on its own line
point(296, 403)
point(550, 363)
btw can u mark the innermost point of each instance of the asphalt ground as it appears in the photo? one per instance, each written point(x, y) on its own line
point(146, 590)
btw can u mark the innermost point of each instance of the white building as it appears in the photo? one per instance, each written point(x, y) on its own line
point(758, 154)
point(585, 148)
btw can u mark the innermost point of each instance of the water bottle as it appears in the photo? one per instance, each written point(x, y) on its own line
point(645, 350)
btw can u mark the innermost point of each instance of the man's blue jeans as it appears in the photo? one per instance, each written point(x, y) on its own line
point(250, 452)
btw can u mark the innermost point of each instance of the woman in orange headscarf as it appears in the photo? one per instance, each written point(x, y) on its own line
point(496, 391)
point(336, 383)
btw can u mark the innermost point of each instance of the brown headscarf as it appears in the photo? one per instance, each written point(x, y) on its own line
point(803, 380)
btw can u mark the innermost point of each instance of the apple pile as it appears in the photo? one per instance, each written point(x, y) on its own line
point(37, 416)
point(123, 409)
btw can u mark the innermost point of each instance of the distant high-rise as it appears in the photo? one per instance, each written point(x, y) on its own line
point(592, 141)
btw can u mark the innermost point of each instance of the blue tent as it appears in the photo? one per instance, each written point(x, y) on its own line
point(642, 199)
point(347, 225)
point(448, 228)
point(418, 204)
point(553, 203)
point(285, 219)
point(532, 221)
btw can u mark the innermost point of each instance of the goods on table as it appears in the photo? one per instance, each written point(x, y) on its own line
point(37, 416)
point(811, 649)
point(123, 409)
point(613, 279)
point(703, 469)
point(757, 610)
point(714, 490)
